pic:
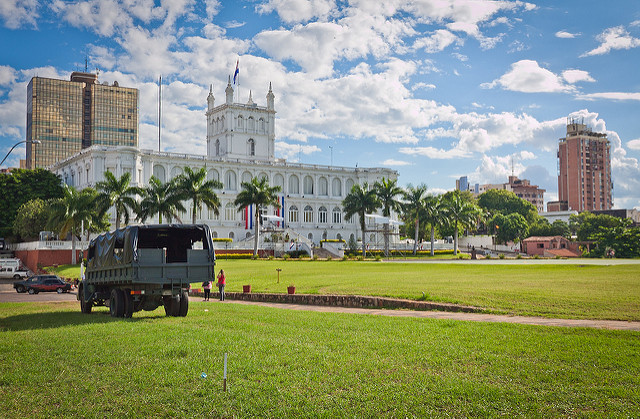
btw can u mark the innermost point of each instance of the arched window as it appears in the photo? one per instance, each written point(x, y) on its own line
point(175, 172)
point(230, 212)
point(339, 236)
point(246, 177)
point(294, 185)
point(337, 216)
point(293, 214)
point(214, 234)
point(159, 173)
point(263, 175)
point(217, 147)
point(323, 186)
point(251, 147)
point(213, 175)
point(324, 236)
point(247, 235)
point(231, 235)
point(278, 180)
point(212, 214)
point(336, 187)
point(261, 124)
point(349, 185)
point(240, 123)
point(307, 215)
point(308, 185)
point(352, 237)
point(310, 236)
point(230, 181)
point(322, 215)
point(251, 123)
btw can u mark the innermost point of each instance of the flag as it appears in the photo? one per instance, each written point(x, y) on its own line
point(246, 218)
point(237, 72)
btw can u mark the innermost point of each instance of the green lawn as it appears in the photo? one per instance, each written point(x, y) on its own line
point(565, 291)
point(57, 362)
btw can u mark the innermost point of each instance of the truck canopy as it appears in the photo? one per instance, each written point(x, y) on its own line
point(120, 247)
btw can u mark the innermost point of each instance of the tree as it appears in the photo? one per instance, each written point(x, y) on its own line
point(460, 213)
point(586, 224)
point(500, 201)
point(257, 192)
point(510, 227)
point(361, 200)
point(20, 186)
point(413, 209)
point(70, 212)
point(117, 193)
point(434, 215)
point(194, 186)
point(620, 241)
point(159, 198)
point(387, 191)
point(31, 219)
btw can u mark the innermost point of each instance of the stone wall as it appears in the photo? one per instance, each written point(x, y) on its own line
point(355, 301)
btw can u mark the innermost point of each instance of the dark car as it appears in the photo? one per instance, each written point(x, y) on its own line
point(42, 283)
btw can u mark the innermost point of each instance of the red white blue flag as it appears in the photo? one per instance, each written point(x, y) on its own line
point(237, 72)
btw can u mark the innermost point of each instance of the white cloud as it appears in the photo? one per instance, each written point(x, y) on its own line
point(393, 162)
point(436, 42)
point(610, 96)
point(613, 38)
point(298, 11)
point(575, 76)
point(293, 152)
point(567, 35)
point(634, 144)
point(7, 75)
point(528, 77)
point(435, 153)
point(16, 13)
point(421, 85)
point(234, 24)
point(460, 57)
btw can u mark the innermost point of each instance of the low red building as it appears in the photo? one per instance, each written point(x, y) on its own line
point(551, 246)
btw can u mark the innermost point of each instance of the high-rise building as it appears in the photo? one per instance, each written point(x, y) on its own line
point(67, 116)
point(584, 169)
point(522, 188)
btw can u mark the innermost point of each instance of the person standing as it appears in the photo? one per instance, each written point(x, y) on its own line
point(207, 289)
point(222, 281)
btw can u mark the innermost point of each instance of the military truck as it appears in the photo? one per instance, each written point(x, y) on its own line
point(143, 267)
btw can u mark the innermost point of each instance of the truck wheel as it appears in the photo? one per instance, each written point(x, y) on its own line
point(116, 303)
point(32, 291)
point(16, 277)
point(184, 304)
point(128, 304)
point(172, 306)
point(59, 290)
point(20, 289)
point(85, 306)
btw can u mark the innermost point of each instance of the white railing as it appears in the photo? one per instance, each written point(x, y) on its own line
point(48, 245)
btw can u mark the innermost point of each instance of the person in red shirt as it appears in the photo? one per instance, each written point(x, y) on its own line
point(222, 281)
point(207, 289)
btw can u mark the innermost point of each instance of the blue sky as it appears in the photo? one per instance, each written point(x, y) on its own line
point(435, 89)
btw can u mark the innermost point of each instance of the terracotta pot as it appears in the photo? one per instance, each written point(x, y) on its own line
point(291, 290)
point(246, 289)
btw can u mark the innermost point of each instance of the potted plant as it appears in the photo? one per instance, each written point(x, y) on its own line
point(291, 289)
point(246, 289)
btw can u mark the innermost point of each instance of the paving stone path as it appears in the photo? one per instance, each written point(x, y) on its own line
point(476, 317)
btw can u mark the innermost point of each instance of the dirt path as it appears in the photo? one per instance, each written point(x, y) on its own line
point(475, 317)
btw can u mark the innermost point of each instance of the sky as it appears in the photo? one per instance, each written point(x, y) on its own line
point(435, 89)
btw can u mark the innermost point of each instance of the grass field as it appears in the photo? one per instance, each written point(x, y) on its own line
point(57, 362)
point(563, 291)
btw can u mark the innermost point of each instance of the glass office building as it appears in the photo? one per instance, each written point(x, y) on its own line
point(67, 116)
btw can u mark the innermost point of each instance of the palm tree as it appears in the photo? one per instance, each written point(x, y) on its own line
point(194, 186)
point(387, 191)
point(257, 192)
point(460, 213)
point(117, 193)
point(434, 214)
point(70, 212)
point(360, 200)
point(413, 208)
point(160, 198)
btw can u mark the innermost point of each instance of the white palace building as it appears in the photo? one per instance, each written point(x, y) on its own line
point(240, 146)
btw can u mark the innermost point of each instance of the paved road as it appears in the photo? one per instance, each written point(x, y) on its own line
point(496, 261)
point(9, 295)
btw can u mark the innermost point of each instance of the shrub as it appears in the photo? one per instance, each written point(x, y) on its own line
point(536, 256)
point(519, 256)
point(501, 256)
point(488, 256)
point(378, 258)
point(360, 258)
point(345, 257)
point(285, 256)
point(329, 258)
point(315, 257)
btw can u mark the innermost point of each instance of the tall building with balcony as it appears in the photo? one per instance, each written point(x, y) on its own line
point(584, 170)
point(68, 116)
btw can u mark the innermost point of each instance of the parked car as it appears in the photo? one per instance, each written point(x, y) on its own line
point(42, 283)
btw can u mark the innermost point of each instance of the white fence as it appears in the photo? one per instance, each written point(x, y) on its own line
point(48, 245)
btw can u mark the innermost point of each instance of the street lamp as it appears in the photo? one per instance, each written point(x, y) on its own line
point(17, 144)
